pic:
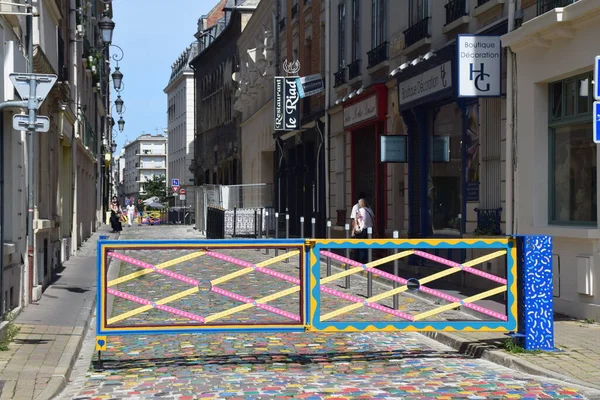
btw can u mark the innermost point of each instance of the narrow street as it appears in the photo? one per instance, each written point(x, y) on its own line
point(277, 365)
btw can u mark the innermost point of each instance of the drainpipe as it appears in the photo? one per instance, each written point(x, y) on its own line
point(327, 100)
point(510, 213)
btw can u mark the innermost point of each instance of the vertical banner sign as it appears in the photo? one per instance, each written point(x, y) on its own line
point(479, 62)
point(287, 99)
point(596, 110)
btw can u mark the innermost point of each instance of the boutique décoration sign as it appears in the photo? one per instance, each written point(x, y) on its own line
point(287, 104)
point(479, 66)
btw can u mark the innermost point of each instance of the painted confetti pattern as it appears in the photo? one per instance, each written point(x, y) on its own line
point(292, 365)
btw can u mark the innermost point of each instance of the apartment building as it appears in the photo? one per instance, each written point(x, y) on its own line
point(380, 48)
point(554, 189)
point(145, 158)
point(181, 123)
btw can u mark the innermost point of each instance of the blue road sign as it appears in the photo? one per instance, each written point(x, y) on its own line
point(597, 78)
point(597, 121)
point(174, 182)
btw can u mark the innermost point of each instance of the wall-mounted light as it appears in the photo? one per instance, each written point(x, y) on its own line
point(119, 105)
point(121, 124)
point(117, 79)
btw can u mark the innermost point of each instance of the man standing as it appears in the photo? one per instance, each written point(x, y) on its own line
point(354, 212)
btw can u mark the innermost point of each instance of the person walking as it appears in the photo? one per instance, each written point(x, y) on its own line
point(115, 212)
point(364, 220)
point(354, 213)
point(130, 213)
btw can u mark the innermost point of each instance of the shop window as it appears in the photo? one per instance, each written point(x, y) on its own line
point(572, 153)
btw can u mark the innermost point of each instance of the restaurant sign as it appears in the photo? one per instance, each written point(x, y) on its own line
point(287, 103)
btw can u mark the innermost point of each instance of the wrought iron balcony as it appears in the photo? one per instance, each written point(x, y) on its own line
point(294, 10)
point(543, 6)
point(489, 221)
point(418, 31)
point(339, 77)
point(455, 9)
point(353, 69)
point(282, 24)
point(378, 55)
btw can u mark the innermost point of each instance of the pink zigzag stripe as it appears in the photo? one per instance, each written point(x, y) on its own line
point(424, 289)
point(165, 272)
point(161, 307)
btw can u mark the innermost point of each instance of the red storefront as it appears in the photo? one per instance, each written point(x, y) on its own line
point(365, 123)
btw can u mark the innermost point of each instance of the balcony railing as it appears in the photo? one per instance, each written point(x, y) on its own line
point(543, 6)
point(418, 31)
point(282, 24)
point(378, 55)
point(339, 77)
point(353, 70)
point(294, 10)
point(455, 9)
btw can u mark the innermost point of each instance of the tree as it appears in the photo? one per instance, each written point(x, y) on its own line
point(156, 187)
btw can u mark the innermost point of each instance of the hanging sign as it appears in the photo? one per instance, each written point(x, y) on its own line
point(479, 66)
point(287, 104)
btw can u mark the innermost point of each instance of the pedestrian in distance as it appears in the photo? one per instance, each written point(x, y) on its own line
point(130, 213)
point(365, 219)
point(115, 214)
point(354, 212)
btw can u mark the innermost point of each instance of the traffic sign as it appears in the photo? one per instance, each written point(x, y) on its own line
point(44, 84)
point(182, 191)
point(597, 78)
point(21, 122)
point(175, 189)
point(596, 112)
point(174, 182)
point(182, 197)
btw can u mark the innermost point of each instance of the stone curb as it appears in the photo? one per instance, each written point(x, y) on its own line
point(66, 363)
point(490, 353)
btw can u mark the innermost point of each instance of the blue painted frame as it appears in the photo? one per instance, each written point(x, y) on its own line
point(100, 290)
point(315, 271)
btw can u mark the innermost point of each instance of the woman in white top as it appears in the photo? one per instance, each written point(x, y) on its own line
point(364, 220)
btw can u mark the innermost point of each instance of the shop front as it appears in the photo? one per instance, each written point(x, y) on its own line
point(441, 129)
point(364, 119)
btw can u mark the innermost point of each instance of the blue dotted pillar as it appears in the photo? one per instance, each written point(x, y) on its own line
point(536, 313)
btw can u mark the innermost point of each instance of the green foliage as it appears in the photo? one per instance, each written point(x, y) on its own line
point(512, 346)
point(590, 321)
point(485, 231)
point(157, 187)
point(10, 332)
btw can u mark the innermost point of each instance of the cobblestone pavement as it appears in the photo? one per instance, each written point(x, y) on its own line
point(281, 365)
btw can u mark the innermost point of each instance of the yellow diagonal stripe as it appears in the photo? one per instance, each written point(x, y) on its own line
point(485, 258)
point(228, 312)
point(178, 296)
point(128, 314)
point(247, 270)
point(387, 294)
point(340, 311)
point(159, 266)
point(278, 295)
point(485, 294)
point(436, 310)
point(439, 275)
point(387, 259)
point(342, 274)
point(471, 299)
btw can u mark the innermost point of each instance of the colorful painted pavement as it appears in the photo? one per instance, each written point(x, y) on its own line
point(290, 365)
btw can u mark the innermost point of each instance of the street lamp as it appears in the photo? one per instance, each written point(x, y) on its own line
point(113, 147)
point(107, 26)
point(119, 105)
point(121, 124)
point(117, 79)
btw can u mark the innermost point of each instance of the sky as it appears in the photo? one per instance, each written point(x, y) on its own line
point(152, 34)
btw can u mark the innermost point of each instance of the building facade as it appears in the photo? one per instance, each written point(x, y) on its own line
point(556, 160)
point(145, 158)
point(181, 128)
point(254, 96)
point(217, 140)
point(300, 185)
point(380, 48)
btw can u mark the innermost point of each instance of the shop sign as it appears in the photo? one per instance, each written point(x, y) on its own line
point(362, 111)
point(287, 104)
point(310, 85)
point(479, 66)
point(393, 149)
point(429, 82)
point(472, 191)
point(596, 125)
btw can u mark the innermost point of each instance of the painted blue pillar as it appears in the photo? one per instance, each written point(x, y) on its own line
point(535, 299)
